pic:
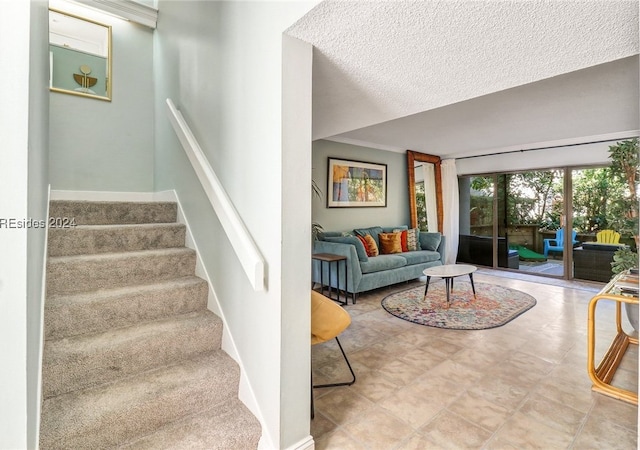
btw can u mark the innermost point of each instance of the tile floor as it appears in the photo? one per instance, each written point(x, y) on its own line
point(522, 385)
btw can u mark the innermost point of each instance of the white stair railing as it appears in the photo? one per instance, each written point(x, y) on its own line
point(243, 244)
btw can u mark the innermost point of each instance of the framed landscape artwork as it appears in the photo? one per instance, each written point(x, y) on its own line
point(353, 184)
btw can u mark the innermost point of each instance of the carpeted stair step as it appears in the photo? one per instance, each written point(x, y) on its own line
point(98, 311)
point(88, 360)
point(71, 274)
point(229, 426)
point(111, 213)
point(90, 239)
point(113, 414)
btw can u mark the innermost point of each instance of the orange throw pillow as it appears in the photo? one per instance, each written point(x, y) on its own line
point(371, 247)
point(390, 243)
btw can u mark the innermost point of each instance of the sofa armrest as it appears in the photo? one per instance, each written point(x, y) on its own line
point(442, 249)
point(354, 272)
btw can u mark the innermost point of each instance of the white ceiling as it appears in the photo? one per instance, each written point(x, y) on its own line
point(457, 78)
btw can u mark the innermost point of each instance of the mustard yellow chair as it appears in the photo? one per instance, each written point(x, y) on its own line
point(608, 237)
point(328, 320)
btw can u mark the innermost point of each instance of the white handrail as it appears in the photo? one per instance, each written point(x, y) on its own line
point(250, 258)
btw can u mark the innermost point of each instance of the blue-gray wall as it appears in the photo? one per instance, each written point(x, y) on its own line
point(340, 219)
point(98, 145)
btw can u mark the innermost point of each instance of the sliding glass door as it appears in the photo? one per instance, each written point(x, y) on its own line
point(511, 221)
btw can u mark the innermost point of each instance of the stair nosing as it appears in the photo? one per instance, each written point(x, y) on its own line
point(121, 254)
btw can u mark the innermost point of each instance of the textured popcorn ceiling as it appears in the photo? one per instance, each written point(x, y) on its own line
point(379, 61)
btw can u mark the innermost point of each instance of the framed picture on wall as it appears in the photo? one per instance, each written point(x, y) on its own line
point(356, 184)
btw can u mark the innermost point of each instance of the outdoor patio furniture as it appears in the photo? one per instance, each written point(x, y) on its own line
point(478, 250)
point(557, 244)
point(592, 261)
point(608, 237)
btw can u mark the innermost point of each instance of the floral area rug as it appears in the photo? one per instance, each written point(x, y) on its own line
point(493, 307)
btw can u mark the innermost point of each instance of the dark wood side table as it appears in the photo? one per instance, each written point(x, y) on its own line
point(330, 258)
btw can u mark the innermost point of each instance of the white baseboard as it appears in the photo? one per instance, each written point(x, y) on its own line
point(303, 444)
point(104, 196)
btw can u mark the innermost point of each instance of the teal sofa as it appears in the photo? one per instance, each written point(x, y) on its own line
point(365, 273)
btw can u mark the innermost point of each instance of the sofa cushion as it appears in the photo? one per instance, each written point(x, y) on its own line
point(371, 231)
point(371, 246)
point(353, 240)
point(430, 241)
point(323, 235)
point(420, 257)
point(390, 243)
point(383, 262)
point(413, 242)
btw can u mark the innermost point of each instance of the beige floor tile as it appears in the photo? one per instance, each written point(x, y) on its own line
point(371, 385)
point(456, 372)
point(499, 391)
point(422, 359)
point(373, 358)
point(378, 429)
point(614, 410)
point(338, 439)
point(598, 434)
point(554, 414)
point(578, 395)
point(416, 442)
point(400, 372)
point(415, 405)
point(342, 405)
point(478, 410)
point(522, 385)
point(450, 431)
point(320, 425)
point(525, 432)
point(498, 443)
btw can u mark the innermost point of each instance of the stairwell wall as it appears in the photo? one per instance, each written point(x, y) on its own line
point(108, 146)
point(23, 171)
point(222, 65)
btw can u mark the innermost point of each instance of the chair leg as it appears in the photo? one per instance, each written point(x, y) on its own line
point(344, 383)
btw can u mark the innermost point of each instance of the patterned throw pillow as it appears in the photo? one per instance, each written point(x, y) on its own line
point(390, 243)
point(403, 239)
point(413, 243)
point(372, 247)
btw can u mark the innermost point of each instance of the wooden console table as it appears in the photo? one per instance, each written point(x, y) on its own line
point(602, 375)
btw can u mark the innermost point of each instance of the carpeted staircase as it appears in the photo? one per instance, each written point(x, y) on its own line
point(132, 355)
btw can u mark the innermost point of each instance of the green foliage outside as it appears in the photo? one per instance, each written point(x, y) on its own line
point(421, 207)
point(603, 198)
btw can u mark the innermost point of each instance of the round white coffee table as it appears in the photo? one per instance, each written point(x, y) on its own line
point(449, 272)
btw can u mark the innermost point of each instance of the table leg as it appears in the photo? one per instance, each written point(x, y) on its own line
point(322, 277)
point(448, 288)
point(473, 288)
point(426, 288)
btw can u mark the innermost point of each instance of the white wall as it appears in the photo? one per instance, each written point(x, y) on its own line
point(108, 146)
point(38, 183)
point(222, 64)
point(340, 219)
point(24, 171)
point(587, 154)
